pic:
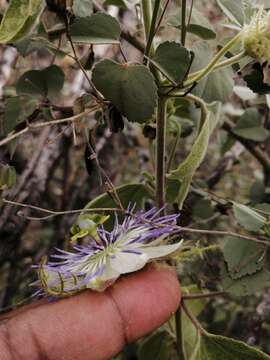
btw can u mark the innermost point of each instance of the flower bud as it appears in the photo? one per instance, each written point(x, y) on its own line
point(256, 40)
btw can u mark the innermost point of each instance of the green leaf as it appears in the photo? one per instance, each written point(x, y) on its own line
point(17, 109)
point(99, 28)
point(250, 219)
point(29, 44)
point(255, 133)
point(26, 46)
point(46, 82)
point(216, 347)
point(199, 25)
point(264, 207)
point(257, 192)
point(203, 54)
point(173, 59)
point(203, 209)
point(172, 190)
point(128, 194)
point(131, 88)
point(246, 285)
point(234, 10)
point(156, 347)
point(82, 8)
point(187, 168)
point(249, 126)
point(243, 257)
point(18, 19)
point(218, 86)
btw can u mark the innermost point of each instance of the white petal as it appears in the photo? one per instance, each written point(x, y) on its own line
point(153, 252)
point(107, 278)
point(128, 262)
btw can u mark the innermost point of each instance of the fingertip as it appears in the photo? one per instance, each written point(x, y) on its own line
point(97, 325)
point(147, 299)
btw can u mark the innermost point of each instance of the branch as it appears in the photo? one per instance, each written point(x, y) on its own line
point(39, 125)
point(259, 154)
point(57, 213)
point(192, 318)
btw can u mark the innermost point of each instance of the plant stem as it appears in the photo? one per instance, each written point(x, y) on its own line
point(183, 22)
point(232, 60)
point(162, 16)
point(152, 29)
point(214, 61)
point(160, 151)
point(179, 335)
point(147, 16)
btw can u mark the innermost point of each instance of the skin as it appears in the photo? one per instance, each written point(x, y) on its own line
point(91, 326)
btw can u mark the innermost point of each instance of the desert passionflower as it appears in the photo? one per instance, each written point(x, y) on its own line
point(139, 239)
point(256, 40)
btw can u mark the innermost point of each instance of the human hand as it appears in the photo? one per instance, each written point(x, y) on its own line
point(91, 325)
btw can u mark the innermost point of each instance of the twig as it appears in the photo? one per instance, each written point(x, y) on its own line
point(203, 296)
point(15, 135)
point(58, 213)
point(259, 154)
point(190, 13)
point(160, 152)
point(222, 233)
point(122, 53)
point(94, 92)
point(192, 318)
point(179, 335)
point(113, 191)
point(161, 17)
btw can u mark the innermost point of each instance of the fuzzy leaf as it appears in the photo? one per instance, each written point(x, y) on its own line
point(18, 19)
point(249, 126)
point(82, 8)
point(131, 88)
point(156, 347)
point(250, 219)
point(218, 86)
point(246, 285)
point(234, 10)
point(187, 168)
point(216, 347)
point(99, 28)
point(17, 109)
point(243, 257)
point(46, 82)
point(173, 59)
